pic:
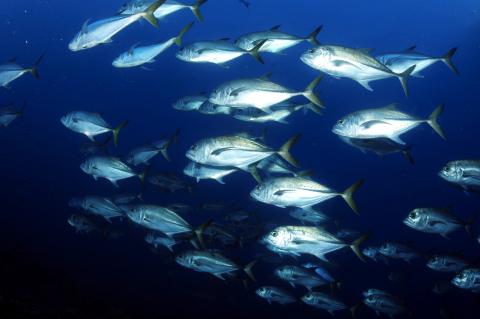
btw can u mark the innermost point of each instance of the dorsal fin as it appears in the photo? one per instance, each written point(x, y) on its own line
point(85, 26)
point(130, 51)
point(365, 50)
point(410, 49)
point(224, 39)
point(392, 106)
point(266, 76)
point(275, 28)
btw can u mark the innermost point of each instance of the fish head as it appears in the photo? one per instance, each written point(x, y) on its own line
point(434, 261)
point(222, 95)
point(317, 57)
point(66, 120)
point(308, 298)
point(462, 280)
point(262, 292)
point(452, 172)
point(199, 151)
point(87, 166)
point(369, 252)
point(280, 237)
point(121, 60)
point(187, 54)
point(346, 127)
point(81, 42)
point(415, 218)
point(135, 213)
point(185, 259)
point(283, 272)
point(74, 220)
point(262, 193)
point(370, 300)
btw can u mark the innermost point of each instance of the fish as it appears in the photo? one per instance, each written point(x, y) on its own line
point(298, 240)
point(216, 52)
point(278, 113)
point(464, 174)
point(199, 172)
point(213, 263)
point(126, 198)
point(209, 108)
point(90, 125)
point(102, 31)
point(238, 152)
point(190, 103)
point(385, 303)
point(260, 93)
point(218, 232)
point(355, 64)
point(143, 154)
point(237, 216)
point(374, 254)
point(468, 279)
point(296, 275)
point(157, 241)
point(276, 41)
point(137, 56)
point(399, 62)
point(275, 294)
point(169, 7)
point(373, 291)
point(398, 251)
point(10, 71)
point(10, 113)
point(97, 205)
point(275, 165)
point(310, 216)
point(380, 146)
point(436, 221)
point(82, 224)
point(447, 263)
point(169, 181)
point(324, 301)
point(93, 147)
point(300, 192)
point(110, 168)
point(385, 122)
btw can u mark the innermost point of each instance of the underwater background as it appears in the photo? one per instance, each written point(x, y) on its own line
point(49, 270)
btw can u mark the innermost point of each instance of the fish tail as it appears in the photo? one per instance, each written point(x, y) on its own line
point(172, 140)
point(178, 39)
point(469, 224)
point(284, 151)
point(433, 121)
point(148, 14)
point(200, 231)
point(255, 51)
point(355, 246)
point(248, 270)
point(403, 78)
point(310, 95)
point(254, 171)
point(312, 107)
point(142, 176)
point(447, 59)
point(312, 37)
point(347, 195)
point(407, 153)
point(34, 68)
point(116, 132)
point(196, 9)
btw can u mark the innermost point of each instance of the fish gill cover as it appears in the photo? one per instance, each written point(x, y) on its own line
point(229, 158)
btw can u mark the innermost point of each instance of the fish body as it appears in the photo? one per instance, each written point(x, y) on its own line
point(398, 251)
point(217, 52)
point(324, 301)
point(434, 221)
point(275, 294)
point(168, 8)
point(295, 275)
point(97, 205)
point(385, 303)
point(108, 167)
point(447, 263)
point(379, 146)
point(159, 241)
point(8, 114)
point(82, 224)
point(309, 216)
point(190, 103)
point(464, 174)
point(169, 181)
point(199, 172)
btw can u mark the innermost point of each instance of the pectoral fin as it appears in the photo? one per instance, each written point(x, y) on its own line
point(365, 84)
point(372, 123)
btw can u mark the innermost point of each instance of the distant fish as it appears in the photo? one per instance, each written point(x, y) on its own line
point(356, 64)
point(97, 205)
point(324, 301)
point(190, 103)
point(157, 241)
point(110, 168)
point(275, 40)
point(138, 56)
point(275, 294)
point(436, 221)
point(296, 275)
point(209, 108)
point(216, 52)
point(82, 224)
point(169, 7)
point(468, 279)
point(385, 303)
point(93, 147)
point(398, 251)
point(199, 172)
point(102, 31)
point(385, 122)
point(374, 254)
point(310, 216)
point(10, 113)
point(278, 113)
point(260, 93)
point(464, 173)
point(143, 154)
point(11, 71)
point(169, 181)
point(90, 124)
point(447, 263)
point(401, 61)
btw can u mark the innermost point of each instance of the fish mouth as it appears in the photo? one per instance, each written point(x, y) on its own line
point(190, 155)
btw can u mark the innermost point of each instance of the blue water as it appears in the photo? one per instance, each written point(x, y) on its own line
point(50, 267)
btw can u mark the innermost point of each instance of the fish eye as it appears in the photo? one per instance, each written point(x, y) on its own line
point(274, 234)
point(413, 215)
point(447, 169)
point(341, 121)
point(193, 147)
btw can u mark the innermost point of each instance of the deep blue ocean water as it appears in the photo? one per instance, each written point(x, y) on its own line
point(47, 266)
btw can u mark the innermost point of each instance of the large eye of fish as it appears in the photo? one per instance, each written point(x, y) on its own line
point(447, 169)
point(340, 122)
point(413, 215)
point(193, 147)
point(274, 234)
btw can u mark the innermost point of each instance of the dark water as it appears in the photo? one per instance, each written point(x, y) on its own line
point(49, 271)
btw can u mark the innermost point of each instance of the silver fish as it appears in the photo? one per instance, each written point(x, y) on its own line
point(374, 254)
point(436, 221)
point(10, 113)
point(295, 275)
point(169, 181)
point(463, 173)
point(356, 64)
point(309, 216)
point(299, 192)
point(199, 172)
point(236, 151)
point(90, 124)
point(209, 108)
point(278, 113)
point(169, 7)
point(401, 61)
point(298, 240)
point(275, 294)
point(380, 146)
point(82, 224)
point(213, 263)
point(398, 251)
point(260, 93)
point(276, 41)
point(447, 263)
point(385, 303)
point(97, 205)
point(468, 279)
point(324, 301)
point(137, 56)
point(11, 71)
point(385, 122)
point(157, 241)
point(190, 103)
point(110, 168)
point(143, 154)
point(102, 31)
